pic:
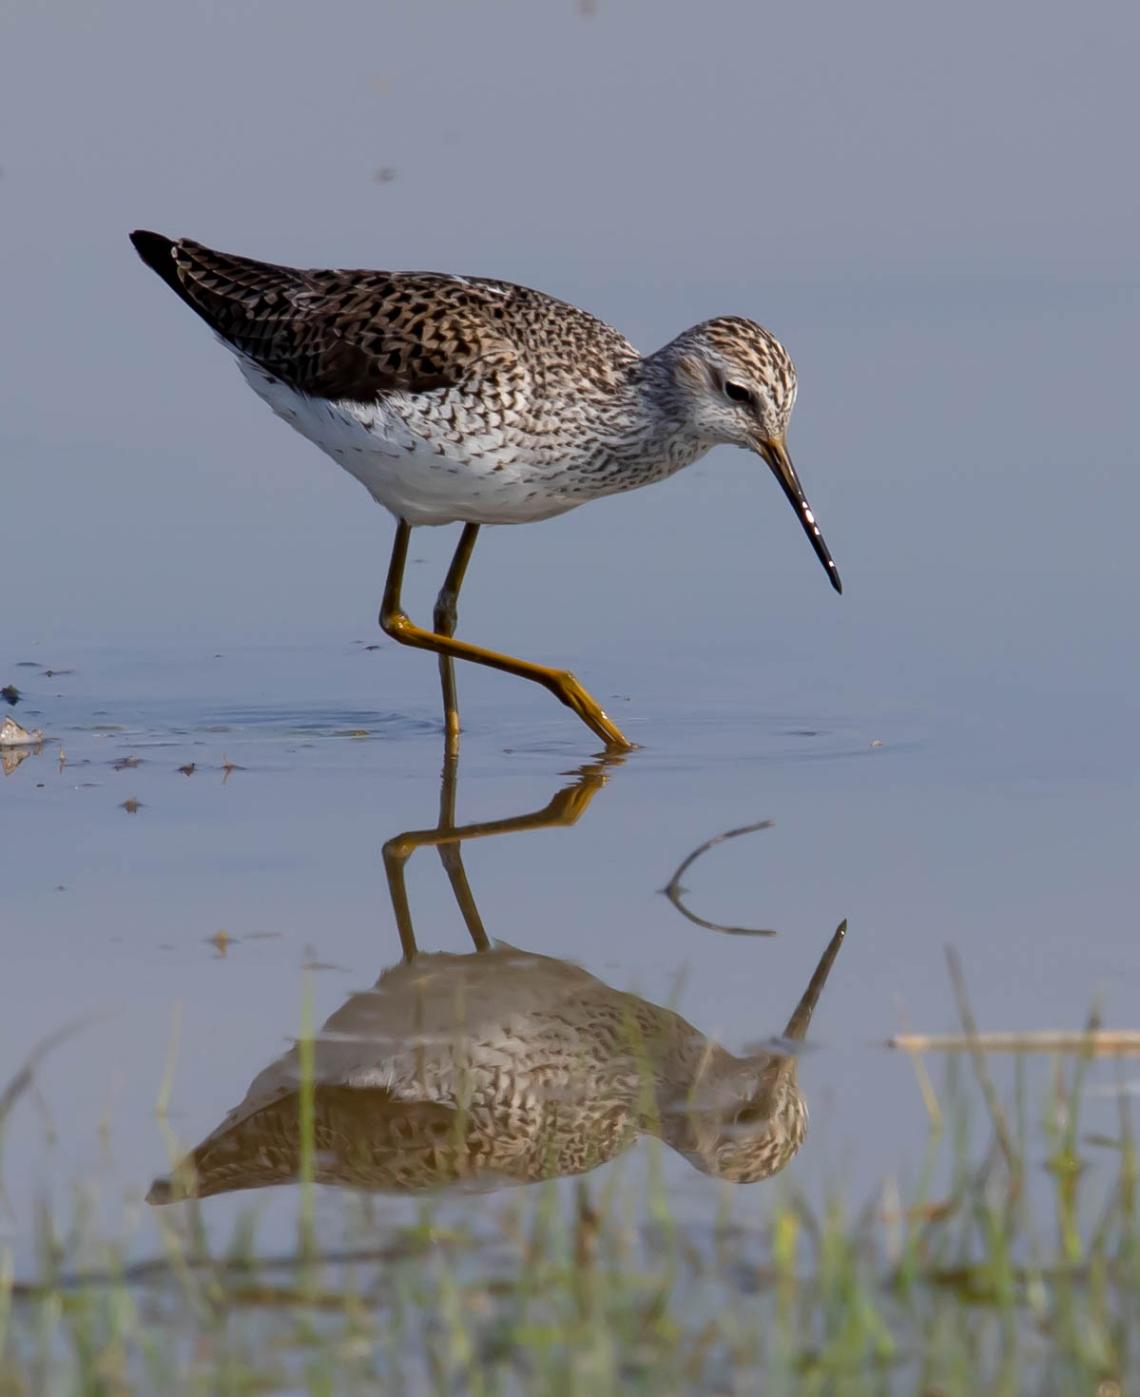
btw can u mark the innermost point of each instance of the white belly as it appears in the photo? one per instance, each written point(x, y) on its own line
point(420, 478)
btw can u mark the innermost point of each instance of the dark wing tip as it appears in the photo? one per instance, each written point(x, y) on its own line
point(160, 1193)
point(157, 252)
point(836, 582)
point(153, 248)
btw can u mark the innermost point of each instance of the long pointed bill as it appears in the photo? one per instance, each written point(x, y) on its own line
point(784, 1068)
point(798, 1023)
point(776, 454)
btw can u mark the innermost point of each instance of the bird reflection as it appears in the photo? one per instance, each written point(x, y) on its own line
point(503, 1066)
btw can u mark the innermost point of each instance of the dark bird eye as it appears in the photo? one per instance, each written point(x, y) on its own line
point(737, 392)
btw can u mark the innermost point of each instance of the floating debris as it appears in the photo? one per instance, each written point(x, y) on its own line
point(55, 673)
point(10, 694)
point(11, 757)
point(131, 805)
point(221, 941)
point(126, 763)
point(13, 735)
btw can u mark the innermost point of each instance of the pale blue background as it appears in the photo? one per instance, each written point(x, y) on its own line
point(935, 209)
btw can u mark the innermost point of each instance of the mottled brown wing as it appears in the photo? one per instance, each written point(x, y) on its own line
point(363, 1137)
point(337, 334)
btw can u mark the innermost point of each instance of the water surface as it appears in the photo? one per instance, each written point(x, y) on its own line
point(947, 752)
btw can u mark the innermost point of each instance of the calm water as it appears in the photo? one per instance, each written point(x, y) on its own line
point(947, 751)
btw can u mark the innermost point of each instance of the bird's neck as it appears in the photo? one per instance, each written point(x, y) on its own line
point(679, 1064)
point(645, 422)
point(698, 1087)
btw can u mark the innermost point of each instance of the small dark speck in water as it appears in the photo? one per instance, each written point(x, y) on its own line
point(27, 664)
point(126, 763)
point(10, 694)
point(55, 673)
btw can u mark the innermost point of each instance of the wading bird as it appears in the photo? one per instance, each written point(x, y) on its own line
point(465, 400)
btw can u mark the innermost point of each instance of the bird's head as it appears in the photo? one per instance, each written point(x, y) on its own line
point(736, 384)
point(742, 1119)
point(755, 1127)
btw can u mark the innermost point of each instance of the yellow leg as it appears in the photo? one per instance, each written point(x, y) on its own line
point(566, 808)
point(451, 854)
point(395, 622)
point(444, 620)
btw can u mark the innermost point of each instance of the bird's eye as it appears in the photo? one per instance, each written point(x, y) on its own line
point(737, 392)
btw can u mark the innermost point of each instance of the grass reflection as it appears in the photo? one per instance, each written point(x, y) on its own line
point(1010, 1263)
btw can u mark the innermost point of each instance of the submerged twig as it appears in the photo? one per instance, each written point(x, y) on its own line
point(674, 891)
point(1097, 1042)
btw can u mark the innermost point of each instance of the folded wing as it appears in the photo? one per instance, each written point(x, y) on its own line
point(344, 335)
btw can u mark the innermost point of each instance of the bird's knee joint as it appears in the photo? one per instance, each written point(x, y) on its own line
point(395, 623)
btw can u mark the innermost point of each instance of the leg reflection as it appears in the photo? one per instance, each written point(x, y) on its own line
point(565, 808)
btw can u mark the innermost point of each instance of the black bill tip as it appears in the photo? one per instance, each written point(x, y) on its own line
point(776, 454)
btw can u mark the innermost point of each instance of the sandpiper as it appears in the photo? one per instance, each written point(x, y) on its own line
point(465, 400)
point(504, 1066)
